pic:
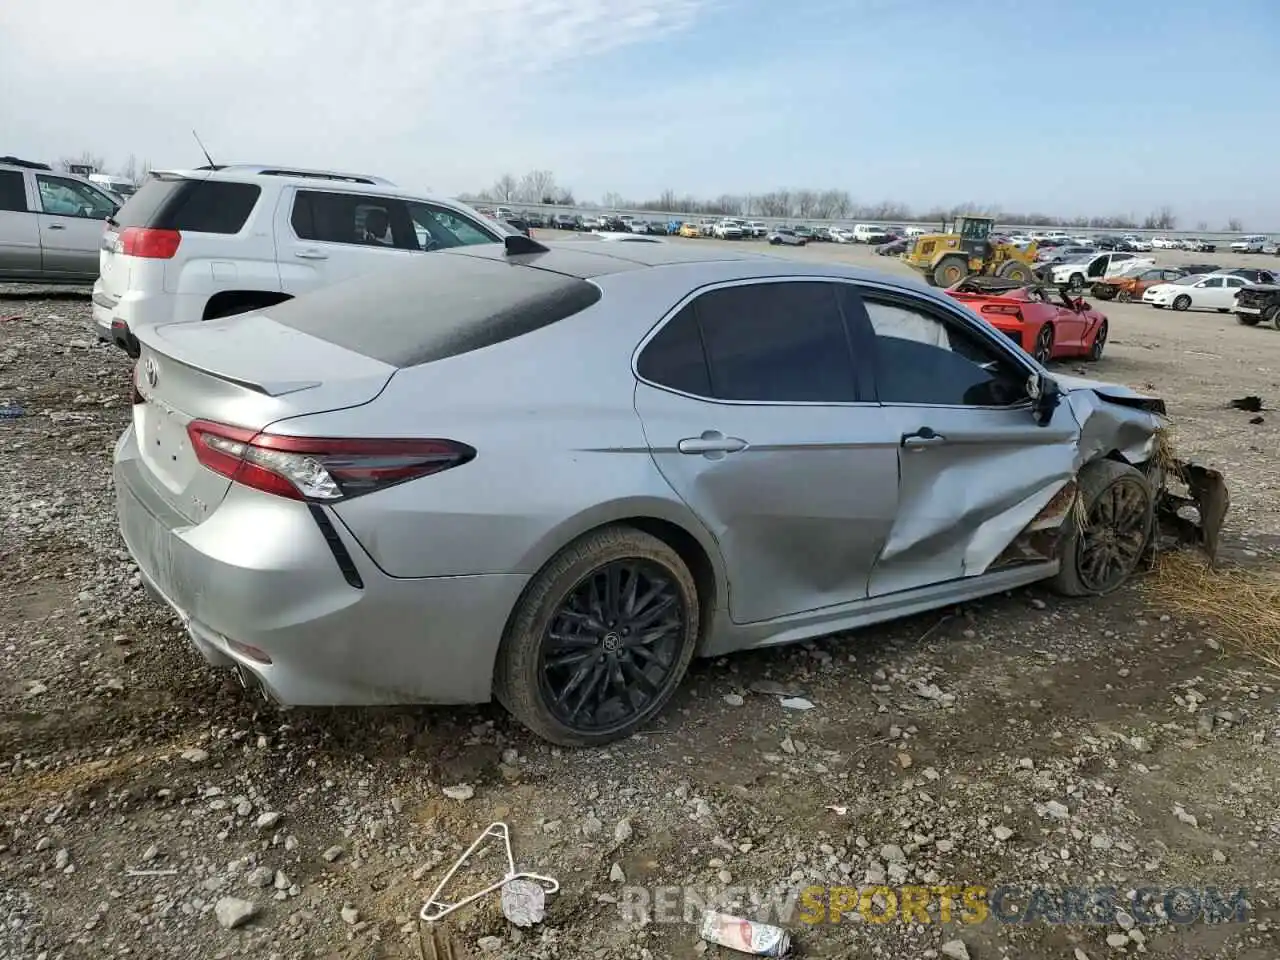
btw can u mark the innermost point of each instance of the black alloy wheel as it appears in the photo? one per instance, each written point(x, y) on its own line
point(612, 647)
point(1043, 351)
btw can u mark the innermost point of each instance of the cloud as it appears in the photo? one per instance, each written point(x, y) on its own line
point(399, 86)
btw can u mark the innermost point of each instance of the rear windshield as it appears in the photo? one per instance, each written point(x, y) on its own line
point(198, 206)
point(436, 306)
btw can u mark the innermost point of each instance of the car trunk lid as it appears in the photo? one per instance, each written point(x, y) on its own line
point(244, 371)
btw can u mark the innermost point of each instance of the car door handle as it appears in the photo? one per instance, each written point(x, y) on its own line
point(311, 254)
point(924, 437)
point(711, 442)
point(56, 226)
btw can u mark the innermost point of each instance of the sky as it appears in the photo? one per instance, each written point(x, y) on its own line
point(1078, 107)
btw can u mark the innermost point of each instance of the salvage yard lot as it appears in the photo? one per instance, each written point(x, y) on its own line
point(121, 751)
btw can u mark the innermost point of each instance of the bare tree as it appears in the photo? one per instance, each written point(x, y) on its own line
point(564, 198)
point(668, 200)
point(1202, 225)
point(613, 200)
point(129, 169)
point(86, 158)
point(806, 202)
point(1234, 225)
point(776, 204)
point(505, 188)
point(537, 186)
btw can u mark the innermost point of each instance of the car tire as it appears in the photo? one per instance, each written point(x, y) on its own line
point(1103, 291)
point(1182, 302)
point(1042, 350)
point(1248, 319)
point(525, 684)
point(1119, 505)
point(1099, 343)
point(1124, 296)
point(1076, 283)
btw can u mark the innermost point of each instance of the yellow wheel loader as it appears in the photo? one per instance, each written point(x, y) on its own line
point(964, 248)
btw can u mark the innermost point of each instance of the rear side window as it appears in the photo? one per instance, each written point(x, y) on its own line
point(197, 206)
point(435, 307)
point(353, 218)
point(13, 193)
point(780, 342)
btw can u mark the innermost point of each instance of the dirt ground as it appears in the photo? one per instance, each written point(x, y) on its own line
point(1020, 740)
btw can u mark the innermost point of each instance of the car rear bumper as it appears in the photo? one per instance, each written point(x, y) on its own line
point(258, 587)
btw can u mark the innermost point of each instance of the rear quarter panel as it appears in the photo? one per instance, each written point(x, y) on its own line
point(560, 450)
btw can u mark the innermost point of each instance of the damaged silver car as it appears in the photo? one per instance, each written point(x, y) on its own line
point(554, 475)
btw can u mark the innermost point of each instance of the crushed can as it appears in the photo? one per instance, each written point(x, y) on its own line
point(745, 936)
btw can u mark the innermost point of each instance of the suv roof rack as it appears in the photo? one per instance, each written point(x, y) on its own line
point(268, 171)
point(29, 164)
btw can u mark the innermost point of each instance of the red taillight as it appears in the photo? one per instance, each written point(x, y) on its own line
point(320, 469)
point(1005, 309)
point(149, 243)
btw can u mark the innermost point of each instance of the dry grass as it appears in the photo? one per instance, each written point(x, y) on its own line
point(1164, 454)
point(1245, 604)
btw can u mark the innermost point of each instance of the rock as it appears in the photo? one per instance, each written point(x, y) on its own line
point(892, 853)
point(944, 845)
point(43, 844)
point(904, 760)
point(1099, 842)
point(233, 912)
point(260, 877)
point(267, 820)
point(955, 949)
point(622, 832)
point(1185, 817)
point(463, 791)
point(333, 853)
point(1117, 940)
point(788, 746)
point(616, 874)
point(489, 944)
point(350, 914)
point(796, 703)
point(195, 755)
point(1057, 810)
point(1039, 605)
point(281, 881)
point(150, 853)
point(1026, 763)
point(773, 688)
point(592, 827)
point(61, 859)
point(1219, 857)
point(734, 699)
point(1002, 832)
point(35, 688)
point(1080, 954)
point(1124, 921)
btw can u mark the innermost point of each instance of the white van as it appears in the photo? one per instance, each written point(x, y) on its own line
point(1253, 244)
point(869, 233)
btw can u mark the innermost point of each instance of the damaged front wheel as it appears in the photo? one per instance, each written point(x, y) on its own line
point(1106, 539)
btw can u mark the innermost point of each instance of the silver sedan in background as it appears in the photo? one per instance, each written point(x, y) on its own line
point(555, 474)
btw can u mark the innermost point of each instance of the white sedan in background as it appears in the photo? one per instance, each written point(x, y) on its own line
point(1212, 291)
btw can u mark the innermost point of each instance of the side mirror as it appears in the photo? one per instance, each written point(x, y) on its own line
point(1045, 397)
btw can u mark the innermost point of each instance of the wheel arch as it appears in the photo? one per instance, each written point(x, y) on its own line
point(229, 302)
point(669, 522)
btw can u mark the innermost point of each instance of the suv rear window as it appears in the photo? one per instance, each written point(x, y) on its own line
point(436, 307)
point(198, 206)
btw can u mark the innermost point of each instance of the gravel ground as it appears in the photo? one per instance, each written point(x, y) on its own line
point(147, 803)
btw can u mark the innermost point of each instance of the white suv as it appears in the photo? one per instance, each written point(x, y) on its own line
point(199, 244)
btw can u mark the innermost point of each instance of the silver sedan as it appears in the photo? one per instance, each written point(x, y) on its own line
point(555, 474)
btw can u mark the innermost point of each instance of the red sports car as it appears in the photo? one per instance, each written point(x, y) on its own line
point(1047, 323)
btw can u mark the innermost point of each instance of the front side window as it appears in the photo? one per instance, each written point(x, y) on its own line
point(1212, 282)
point(1235, 282)
point(779, 342)
point(71, 198)
point(437, 228)
point(923, 359)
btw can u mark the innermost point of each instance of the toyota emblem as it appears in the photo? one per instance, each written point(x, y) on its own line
point(151, 371)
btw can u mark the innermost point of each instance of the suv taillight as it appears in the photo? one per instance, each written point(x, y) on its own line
point(319, 469)
point(149, 243)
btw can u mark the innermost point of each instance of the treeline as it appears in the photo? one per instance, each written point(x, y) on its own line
point(540, 186)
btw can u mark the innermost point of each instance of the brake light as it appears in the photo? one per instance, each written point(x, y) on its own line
point(317, 468)
point(149, 243)
point(1004, 309)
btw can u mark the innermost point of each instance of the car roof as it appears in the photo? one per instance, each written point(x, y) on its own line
point(297, 176)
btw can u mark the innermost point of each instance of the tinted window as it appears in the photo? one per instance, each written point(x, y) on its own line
point(1121, 256)
point(921, 359)
point(71, 198)
point(353, 218)
point(674, 357)
point(778, 342)
point(199, 206)
point(13, 194)
point(1235, 282)
point(1212, 282)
